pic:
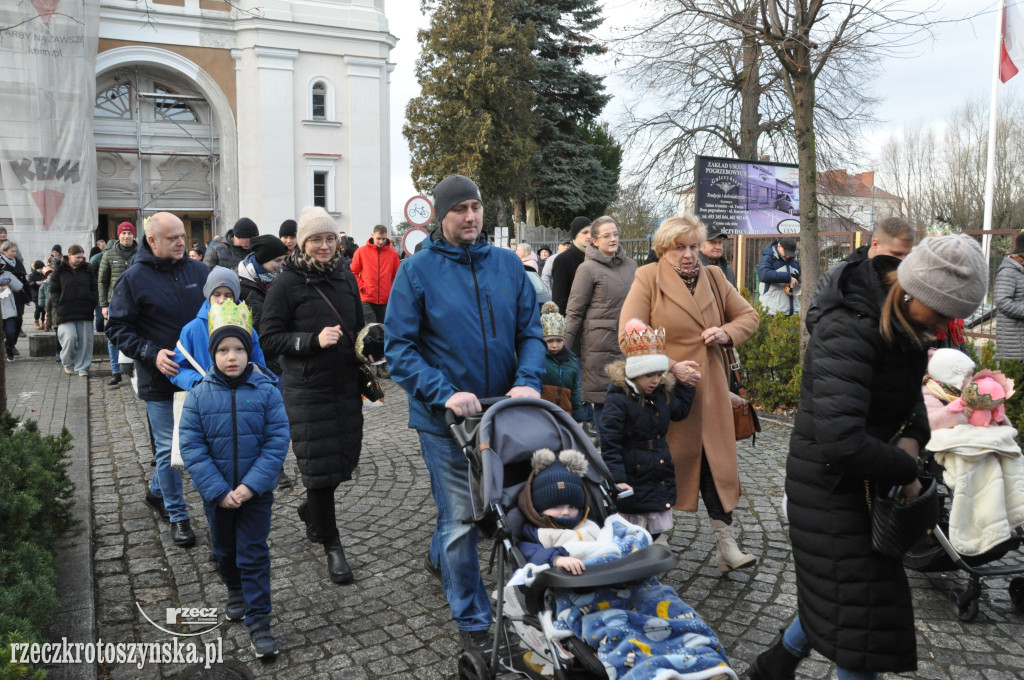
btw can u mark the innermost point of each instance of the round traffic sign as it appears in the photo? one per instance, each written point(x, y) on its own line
point(412, 238)
point(419, 210)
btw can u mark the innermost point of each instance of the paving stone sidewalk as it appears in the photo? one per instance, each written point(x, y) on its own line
point(393, 622)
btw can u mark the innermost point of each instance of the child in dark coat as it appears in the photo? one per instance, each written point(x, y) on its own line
point(561, 384)
point(645, 394)
point(234, 437)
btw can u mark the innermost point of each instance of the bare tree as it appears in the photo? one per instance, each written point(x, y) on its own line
point(720, 91)
point(943, 184)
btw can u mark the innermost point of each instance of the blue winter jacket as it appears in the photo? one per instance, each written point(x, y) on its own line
point(461, 320)
point(151, 303)
point(195, 337)
point(233, 436)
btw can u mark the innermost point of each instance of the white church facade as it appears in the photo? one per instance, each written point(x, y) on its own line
point(215, 110)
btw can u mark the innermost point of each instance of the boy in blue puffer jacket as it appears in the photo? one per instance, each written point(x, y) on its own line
point(234, 437)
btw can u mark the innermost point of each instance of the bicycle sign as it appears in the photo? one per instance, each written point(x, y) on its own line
point(419, 211)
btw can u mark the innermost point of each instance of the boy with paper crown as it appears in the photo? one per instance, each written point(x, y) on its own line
point(191, 353)
point(561, 368)
point(647, 391)
point(234, 437)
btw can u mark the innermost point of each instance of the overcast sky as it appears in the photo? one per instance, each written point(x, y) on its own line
point(921, 88)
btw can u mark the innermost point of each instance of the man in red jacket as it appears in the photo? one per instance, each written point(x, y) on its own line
point(375, 266)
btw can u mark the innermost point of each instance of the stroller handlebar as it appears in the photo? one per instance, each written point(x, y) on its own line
point(451, 419)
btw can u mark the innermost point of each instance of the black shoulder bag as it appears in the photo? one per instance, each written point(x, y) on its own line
point(368, 385)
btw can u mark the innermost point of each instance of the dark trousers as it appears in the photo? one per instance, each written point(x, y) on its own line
point(322, 519)
point(18, 319)
point(374, 313)
point(710, 494)
point(240, 548)
point(10, 334)
point(39, 314)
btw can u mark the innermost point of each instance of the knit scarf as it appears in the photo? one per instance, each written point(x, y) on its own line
point(305, 263)
point(689, 277)
point(10, 263)
point(260, 275)
point(1019, 259)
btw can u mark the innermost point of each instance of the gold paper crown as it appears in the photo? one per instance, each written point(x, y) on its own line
point(646, 342)
point(230, 314)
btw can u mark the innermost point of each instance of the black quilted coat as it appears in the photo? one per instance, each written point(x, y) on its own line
point(321, 392)
point(856, 393)
point(633, 443)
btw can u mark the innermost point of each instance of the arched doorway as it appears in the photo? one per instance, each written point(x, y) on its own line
point(159, 122)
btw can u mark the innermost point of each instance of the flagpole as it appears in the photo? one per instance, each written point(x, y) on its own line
point(990, 167)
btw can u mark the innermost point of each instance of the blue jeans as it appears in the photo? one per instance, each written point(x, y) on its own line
point(166, 482)
point(115, 365)
point(240, 548)
point(453, 546)
point(75, 344)
point(795, 642)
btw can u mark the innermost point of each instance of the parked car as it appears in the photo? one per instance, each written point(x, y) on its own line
point(787, 203)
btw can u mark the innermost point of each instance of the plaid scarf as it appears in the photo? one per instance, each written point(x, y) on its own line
point(310, 265)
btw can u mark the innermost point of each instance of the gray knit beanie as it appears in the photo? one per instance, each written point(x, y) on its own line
point(222, 276)
point(451, 191)
point(946, 273)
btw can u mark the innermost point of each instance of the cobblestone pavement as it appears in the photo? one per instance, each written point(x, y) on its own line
point(393, 622)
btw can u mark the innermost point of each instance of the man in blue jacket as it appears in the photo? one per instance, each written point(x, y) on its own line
point(779, 273)
point(462, 323)
point(153, 300)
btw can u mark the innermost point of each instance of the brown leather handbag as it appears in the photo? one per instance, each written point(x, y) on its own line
point(744, 417)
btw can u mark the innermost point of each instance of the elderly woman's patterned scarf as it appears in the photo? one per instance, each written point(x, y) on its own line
point(689, 277)
point(306, 263)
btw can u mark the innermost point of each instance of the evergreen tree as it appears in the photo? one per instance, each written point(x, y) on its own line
point(474, 115)
point(572, 175)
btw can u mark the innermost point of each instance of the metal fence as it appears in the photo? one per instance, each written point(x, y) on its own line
point(636, 248)
point(745, 252)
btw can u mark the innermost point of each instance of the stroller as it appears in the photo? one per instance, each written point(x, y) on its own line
point(935, 553)
point(499, 444)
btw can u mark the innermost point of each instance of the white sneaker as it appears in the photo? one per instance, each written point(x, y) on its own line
point(83, 374)
point(68, 371)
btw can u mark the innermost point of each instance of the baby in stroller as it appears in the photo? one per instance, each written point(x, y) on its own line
point(640, 630)
point(975, 445)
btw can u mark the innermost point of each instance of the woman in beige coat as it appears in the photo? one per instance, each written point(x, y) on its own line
point(678, 293)
point(598, 291)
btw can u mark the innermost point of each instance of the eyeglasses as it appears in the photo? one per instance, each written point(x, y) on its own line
point(320, 240)
point(611, 234)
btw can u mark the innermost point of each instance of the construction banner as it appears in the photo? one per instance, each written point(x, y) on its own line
point(47, 93)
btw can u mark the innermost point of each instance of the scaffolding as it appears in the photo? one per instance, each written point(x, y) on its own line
point(198, 144)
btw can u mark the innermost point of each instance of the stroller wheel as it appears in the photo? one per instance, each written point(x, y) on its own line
point(472, 666)
point(962, 605)
point(1017, 593)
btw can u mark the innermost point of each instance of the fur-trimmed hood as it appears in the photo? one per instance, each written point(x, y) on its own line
point(617, 374)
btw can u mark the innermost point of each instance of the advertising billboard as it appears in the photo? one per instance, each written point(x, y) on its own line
point(737, 196)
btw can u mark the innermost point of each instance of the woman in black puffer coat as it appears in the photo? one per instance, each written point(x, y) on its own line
point(860, 389)
point(320, 374)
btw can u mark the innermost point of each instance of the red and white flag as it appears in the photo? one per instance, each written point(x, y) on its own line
point(1011, 57)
